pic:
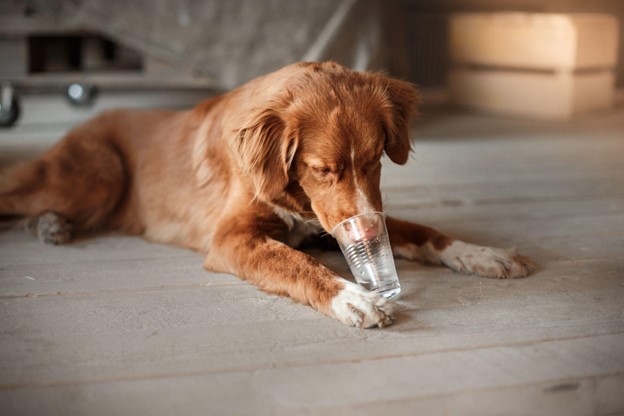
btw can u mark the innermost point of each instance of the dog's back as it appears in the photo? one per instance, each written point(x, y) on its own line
point(106, 172)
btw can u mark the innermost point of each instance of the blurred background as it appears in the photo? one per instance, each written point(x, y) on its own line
point(81, 56)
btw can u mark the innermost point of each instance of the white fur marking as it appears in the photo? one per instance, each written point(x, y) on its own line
point(355, 306)
point(485, 261)
point(362, 203)
point(298, 227)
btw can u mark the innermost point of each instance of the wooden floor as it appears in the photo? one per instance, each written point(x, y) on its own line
point(115, 325)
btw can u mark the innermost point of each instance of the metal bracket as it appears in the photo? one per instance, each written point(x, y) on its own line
point(6, 97)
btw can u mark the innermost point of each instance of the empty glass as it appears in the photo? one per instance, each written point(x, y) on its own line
point(364, 242)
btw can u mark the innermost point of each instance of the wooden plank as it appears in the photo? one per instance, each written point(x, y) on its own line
point(430, 164)
point(16, 25)
point(116, 80)
point(582, 396)
point(96, 335)
point(350, 384)
point(27, 266)
point(13, 55)
point(87, 277)
point(22, 248)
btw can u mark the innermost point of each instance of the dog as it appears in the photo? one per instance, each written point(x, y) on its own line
point(246, 178)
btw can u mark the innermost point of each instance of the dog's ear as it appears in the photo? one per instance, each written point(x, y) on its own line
point(266, 147)
point(404, 98)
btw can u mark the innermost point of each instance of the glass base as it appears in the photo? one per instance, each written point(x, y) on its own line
point(389, 292)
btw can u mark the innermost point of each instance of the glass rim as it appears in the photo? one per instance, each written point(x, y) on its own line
point(333, 232)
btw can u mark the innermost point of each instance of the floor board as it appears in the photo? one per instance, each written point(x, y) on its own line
point(117, 325)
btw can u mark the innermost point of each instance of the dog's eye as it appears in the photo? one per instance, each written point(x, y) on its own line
point(322, 171)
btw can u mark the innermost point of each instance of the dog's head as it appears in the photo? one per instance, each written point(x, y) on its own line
point(317, 132)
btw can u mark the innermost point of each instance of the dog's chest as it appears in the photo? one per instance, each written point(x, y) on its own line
point(299, 229)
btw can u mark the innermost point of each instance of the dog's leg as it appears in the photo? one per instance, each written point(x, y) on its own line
point(79, 181)
point(417, 242)
point(50, 228)
point(276, 268)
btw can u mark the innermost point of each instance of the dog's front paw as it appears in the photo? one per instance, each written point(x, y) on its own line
point(485, 261)
point(357, 307)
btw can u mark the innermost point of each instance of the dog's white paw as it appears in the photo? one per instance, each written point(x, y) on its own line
point(485, 261)
point(357, 307)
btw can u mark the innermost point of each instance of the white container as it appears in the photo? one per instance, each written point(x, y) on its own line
point(532, 94)
point(534, 65)
point(534, 40)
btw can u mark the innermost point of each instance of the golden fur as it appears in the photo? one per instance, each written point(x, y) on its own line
point(239, 175)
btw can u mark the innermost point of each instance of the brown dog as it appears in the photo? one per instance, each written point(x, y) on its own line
point(245, 178)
